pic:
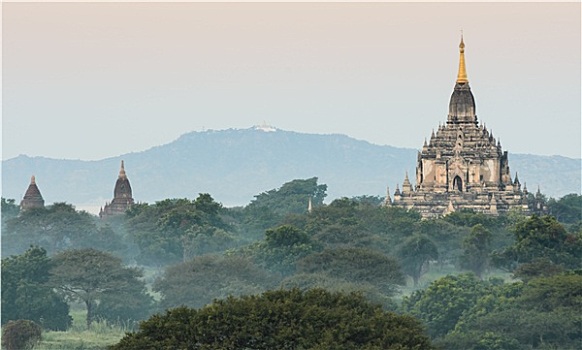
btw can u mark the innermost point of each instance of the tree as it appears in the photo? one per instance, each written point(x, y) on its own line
point(283, 319)
point(444, 301)
point(293, 196)
point(541, 237)
point(9, 208)
point(20, 335)
point(280, 249)
point(567, 209)
point(89, 276)
point(447, 236)
point(306, 281)
point(356, 265)
point(476, 249)
point(543, 313)
point(26, 295)
point(56, 228)
point(414, 254)
point(167, 231)
point(197, 282)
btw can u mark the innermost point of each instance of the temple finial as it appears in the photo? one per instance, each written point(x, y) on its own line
point(33, 180)
point(462, 75)
point(122, 170)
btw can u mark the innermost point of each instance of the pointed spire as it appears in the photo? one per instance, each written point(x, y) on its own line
point(462, 75)
point(387, 200)
point(406, 186)
point(516, 181)
point(33, 180)
point(122, 170)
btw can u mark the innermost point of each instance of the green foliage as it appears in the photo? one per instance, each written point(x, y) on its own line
point(269, 208)
point(280, 250)
point(91, 276)
point(55, 228)
point(285, 236)
point(476, 250)
point(174, 230)
point(306, 281)
point(20, 335)
point(469, 218)
point(541, 237)
point(285, 319)
point(414, 255)
point(541, 314)
point(200, 240)
point(197, 282)
point(538, 267)
point(356, 265)
point(446, 236)
point(9, 208)
point(292, 197)
point(26, 295)
point(567, 209)
point(441, 305)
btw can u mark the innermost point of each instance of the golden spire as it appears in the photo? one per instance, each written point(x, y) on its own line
point(462, 76)
point(122, 171)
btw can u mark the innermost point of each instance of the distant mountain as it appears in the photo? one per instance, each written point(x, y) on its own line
point(234, 165)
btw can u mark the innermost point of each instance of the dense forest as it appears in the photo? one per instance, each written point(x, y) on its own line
point(349, 274)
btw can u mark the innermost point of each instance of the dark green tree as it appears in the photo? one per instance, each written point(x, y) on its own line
point(55, 228)
point(448, 238)
point(356, 265)
point(444, 301)
point(567, 209)
point(284, 319)
point(541, 237)
point(173, 230)
point(292, 197)
point(91, 276)
point(543, 313)
point(9, 208)
point(197, 282)
point(26, 295)
point(280, 250)
point(476, 250)
point(415, 254)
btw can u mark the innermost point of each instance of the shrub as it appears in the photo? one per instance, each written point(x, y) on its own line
point(20, 335)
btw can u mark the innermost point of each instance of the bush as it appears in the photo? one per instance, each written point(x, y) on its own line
point(20, 335)
point(282, 319)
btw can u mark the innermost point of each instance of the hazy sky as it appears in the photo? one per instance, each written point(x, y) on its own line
point(96, 80)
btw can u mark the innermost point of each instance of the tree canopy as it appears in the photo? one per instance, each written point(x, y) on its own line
point(284, 319)
point(26, 293)
point(91, 276)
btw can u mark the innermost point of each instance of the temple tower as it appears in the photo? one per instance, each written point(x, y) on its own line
point(32, 197)
point(122, 196)
point(462, 165)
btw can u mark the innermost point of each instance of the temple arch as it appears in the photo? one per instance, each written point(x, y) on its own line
point(458, 183)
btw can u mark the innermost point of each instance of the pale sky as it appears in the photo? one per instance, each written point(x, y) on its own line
point(96, 80)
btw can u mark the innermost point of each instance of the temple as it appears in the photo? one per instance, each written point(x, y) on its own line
point(462, 166)
point(32, 197)
point(122, 197)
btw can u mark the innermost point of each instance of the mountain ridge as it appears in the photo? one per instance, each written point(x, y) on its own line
point(233, 165)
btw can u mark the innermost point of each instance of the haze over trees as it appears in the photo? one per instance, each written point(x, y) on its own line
point(472, 281)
